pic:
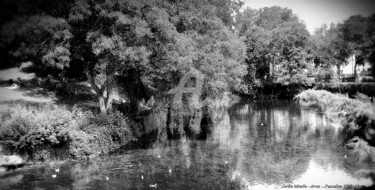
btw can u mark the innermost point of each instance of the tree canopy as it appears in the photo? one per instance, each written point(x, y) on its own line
point(157, 40)
point(331, 46)
point(275, 40)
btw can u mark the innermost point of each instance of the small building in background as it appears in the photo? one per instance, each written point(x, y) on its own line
point(347, 70)
point(365, 72)
point(360, 73)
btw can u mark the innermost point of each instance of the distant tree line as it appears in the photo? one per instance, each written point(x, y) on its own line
point(279, 48)
point(331, 46)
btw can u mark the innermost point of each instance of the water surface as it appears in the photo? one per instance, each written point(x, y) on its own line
point(250, 146)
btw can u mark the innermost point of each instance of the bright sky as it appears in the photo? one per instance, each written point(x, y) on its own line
point(317, 12)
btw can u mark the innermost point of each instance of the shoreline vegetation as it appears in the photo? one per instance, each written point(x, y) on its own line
point(356, 117)
point(48, 133)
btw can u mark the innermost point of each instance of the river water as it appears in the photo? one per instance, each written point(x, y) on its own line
point(250, 146)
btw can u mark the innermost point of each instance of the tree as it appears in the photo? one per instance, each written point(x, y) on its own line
point(358, 33)
point(109, 42)
point(43, 39)
point(202, 42)
point(153, 47)
point(328, 49)
point(258, 55)
point(12, 10)
point(331, 46)
point(152, 43)
point(276, 41)
point(289, 41)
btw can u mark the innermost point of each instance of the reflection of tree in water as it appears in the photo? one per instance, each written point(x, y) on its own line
point(7, 181)
point(116, 172)
point(196, 165)
point(265, 144)
point(84, 173)
point(184, 113)
point(274, 150)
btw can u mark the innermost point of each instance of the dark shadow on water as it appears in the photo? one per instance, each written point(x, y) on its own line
point(205, 129)
point(144, 141)
point(147, 140)
point(10, 179)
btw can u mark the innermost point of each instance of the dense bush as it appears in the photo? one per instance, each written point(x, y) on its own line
point(45, 132)
point(336, 106)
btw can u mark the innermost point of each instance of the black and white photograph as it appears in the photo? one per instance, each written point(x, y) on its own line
point(187, 94)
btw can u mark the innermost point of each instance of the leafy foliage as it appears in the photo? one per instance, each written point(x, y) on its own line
point(358, 118)
point(275, 40)
point(331, 46)
point(157, 40)
point(82, 134)
point(41, 38)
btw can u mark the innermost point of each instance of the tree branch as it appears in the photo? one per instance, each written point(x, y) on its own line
point(99, 91)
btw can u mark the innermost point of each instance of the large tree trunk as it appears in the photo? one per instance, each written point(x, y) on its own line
point(109, 99)
point(102, 105)
point(104, 94)
point(106, 100)
point(356, 79)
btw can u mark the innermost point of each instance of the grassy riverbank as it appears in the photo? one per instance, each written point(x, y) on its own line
point(356, 117)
